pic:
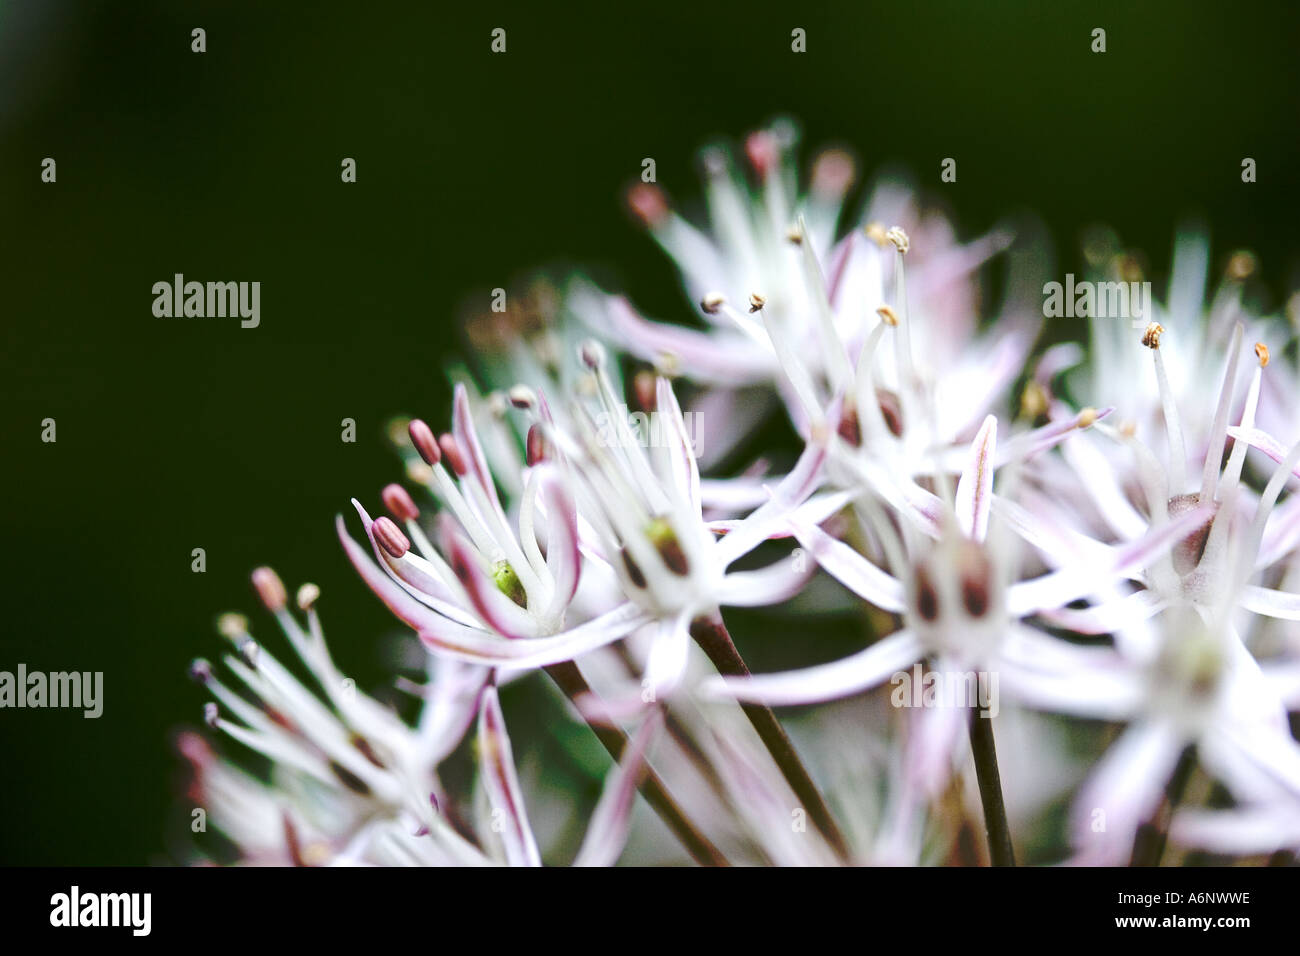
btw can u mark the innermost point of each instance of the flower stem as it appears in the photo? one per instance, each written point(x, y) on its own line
point(985, 752)
point(1152, 836)
point(711, 634)
point(571, 682)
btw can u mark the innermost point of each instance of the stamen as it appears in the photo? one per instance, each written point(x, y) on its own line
point(522, 397)
point(535, 446)
point(508, 583)
point(661, 535)
point(232, 626)
point(1173, 426)
point(211, 715)
point(201, 670)
point(927, 598)
point(888, 315)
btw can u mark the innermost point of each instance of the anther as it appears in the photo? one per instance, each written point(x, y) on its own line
point(522, 397)
point(898, 237)
point(451, 452)
point(390, 537)
point(1151, 337)
point(535, 446)
point(887, 315)
point(399, 503)
point(713, 302)
point(1261, 351)
point(592, 354)
point(648, 204)
point(211, 714)
point(307, 596)
point(424, 441)
point(270, 589)
point(756, 302)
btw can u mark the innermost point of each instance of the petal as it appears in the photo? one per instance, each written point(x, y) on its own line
point(563, 557)
point(480, 647)
point(1123, 792)
point(789, 493)
point(1059, 588)
point(612, 817)
point(1244, 831)
point(851, 569)
point(1280, 604)
point(773, 584)
point(414, 614)
point(975, 486)
point(502, 784)
point(810, 685)
point(497, 610)
point(1258, 438)
point(466, 435)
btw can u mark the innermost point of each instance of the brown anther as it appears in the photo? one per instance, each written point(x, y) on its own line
point(713, 302)
point(645, 387)
point(1086, 418)
point(390, 537)
point(522, 397)
point(425, 443)
point(976, 575)
point(887, 315)
point(399, 503)
point(849, 428)
point(892, 410)
point(927, 598)
point(1261, 352)
point(1034, 402)
point(633, 571)
point(794, 235)
point(756, 301)
point(1151, 337)
point(535, 448)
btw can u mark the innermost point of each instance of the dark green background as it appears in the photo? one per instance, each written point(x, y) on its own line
point(473, 168)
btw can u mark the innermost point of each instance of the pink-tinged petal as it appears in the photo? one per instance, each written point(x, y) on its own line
point(1258, 438)
point(1048, 436)
point(789, 493)
point(975, 486)
point(770, 585)
point(501, 783)
point(1106, 618)
point(1279, 604)
point(450, 704)
point(1282, 534)
point(416, 578)
point(466, 435)
point(1244, 831)
point(721, 359)
point(850, 568)
point(812, 685)
point(684, 469)
point(488, 649)
point(563, 556)
point(1123, 792)
point(1059, 588)
point(497, 610)
point(408, 610)
point(612, 817)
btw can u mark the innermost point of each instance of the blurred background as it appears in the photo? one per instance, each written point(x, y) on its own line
point(472, 169)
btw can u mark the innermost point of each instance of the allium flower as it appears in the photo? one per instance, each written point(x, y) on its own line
point(1120, 563)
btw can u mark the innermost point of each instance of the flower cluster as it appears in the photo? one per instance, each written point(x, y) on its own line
point(1070, 572)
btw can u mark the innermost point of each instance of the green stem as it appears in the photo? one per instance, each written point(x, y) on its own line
point(985, 752)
